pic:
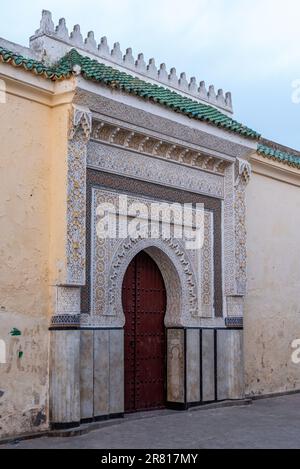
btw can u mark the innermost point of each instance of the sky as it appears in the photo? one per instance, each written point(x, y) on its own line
point(248, 47)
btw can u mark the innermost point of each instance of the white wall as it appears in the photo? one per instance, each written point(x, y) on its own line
point(272, 314)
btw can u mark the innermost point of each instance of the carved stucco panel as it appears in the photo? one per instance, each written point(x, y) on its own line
point(235, 306)
point(184, 278)
point(111, 257)
point(243, 175)
point(207, 267)
point(115, 160)
point(126, 163)
point(229, 233)
point(67, 306)
point(67, 300)
point(116, 134)
point(231, 187)
point(235, 235)
point(80, 128)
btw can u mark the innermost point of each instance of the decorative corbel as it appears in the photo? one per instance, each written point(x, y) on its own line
point(243, 171)
point(81, 119)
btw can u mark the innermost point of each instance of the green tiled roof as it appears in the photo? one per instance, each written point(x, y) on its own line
point(95, 71)
point(52, 73)
point(278, 155)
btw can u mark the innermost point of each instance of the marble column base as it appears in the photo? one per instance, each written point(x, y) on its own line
point(203, 366)
point(64, 378)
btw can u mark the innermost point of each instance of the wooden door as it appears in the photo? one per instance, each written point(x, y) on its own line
point(144, 303)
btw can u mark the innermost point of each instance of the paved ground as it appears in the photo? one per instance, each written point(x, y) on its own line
point(270, 423)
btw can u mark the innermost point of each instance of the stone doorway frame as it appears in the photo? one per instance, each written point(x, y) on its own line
point(67, 324)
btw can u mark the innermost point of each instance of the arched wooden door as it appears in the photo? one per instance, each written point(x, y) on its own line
point(144, 303)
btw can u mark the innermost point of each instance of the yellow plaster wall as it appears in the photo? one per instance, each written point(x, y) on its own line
point(32, 178)
point(272, 316)
point(58, 198)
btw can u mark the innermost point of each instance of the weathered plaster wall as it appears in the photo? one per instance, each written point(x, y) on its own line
point(272, 317)
point(28, 183)
point(58, 199)
point(24, 249)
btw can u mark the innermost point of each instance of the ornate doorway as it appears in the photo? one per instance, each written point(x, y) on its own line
point(144, 304)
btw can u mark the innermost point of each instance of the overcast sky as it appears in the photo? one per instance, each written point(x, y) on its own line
point(248, 47)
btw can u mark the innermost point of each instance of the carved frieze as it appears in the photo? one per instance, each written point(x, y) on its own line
point(126, 163)
point(153, 146)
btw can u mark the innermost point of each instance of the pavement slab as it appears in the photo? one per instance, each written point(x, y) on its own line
point(268, 423)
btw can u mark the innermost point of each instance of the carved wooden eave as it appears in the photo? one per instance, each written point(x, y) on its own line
point(149, 145)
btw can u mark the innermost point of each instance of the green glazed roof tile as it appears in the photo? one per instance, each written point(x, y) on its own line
point(52, 73)
point(95, 71)
point(278, 155)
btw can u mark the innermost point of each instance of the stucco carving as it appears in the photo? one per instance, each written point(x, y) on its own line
point(125, 162)
point(235, 306)
point(67, 307)
point(229, 233)
point(175, 366)
point(79, 132)
point(147, 144)
point(67, 300)
point(243, 171)
point(235, 252)
point(81, 119)
point(207, 267)
point(181, 269)
point(111, 257)
point(243, 174)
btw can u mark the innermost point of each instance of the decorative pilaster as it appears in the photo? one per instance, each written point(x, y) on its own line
point(207, 267)
point(79, 134)
point(243, 174)
point(65, 333)
point(235, 300)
